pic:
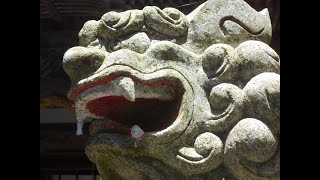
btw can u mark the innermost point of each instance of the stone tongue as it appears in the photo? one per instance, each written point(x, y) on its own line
point(126, 87)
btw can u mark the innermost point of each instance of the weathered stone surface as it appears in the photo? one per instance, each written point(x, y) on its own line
point(204, 88)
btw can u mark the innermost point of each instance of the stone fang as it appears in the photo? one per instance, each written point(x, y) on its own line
point(136, 132)
point(79, 131)
point(126, 87)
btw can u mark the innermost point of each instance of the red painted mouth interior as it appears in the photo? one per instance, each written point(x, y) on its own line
point(150, 114)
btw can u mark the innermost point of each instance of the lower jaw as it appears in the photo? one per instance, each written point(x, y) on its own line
point(128, 167)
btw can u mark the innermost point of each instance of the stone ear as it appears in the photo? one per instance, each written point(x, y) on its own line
point(204, 156)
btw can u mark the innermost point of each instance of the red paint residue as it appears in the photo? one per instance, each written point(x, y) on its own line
point(81, 89)
point(77, 91)
point(149, 114)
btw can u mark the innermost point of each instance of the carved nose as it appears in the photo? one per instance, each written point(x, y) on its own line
point(81, 62)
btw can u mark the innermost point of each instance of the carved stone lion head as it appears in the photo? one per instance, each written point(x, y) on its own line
point(202, 90)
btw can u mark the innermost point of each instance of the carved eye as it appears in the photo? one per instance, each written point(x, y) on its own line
point(169, 51)
point(212, 60)
point(220, 63)
point(81, 62)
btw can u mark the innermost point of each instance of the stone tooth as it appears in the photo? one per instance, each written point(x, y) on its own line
point(136, 132)
point(81, 116)
point(264, 12)
point(126, 87)
point(79, 128)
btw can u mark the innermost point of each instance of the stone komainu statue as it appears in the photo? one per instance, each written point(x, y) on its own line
point(176, 96)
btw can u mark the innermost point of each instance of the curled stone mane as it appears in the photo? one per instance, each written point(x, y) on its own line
point(175, 96)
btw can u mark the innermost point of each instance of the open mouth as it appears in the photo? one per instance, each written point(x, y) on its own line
point(125, 101)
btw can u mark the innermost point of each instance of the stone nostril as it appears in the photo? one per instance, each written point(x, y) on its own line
point(86, 62)
point(81, 62)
